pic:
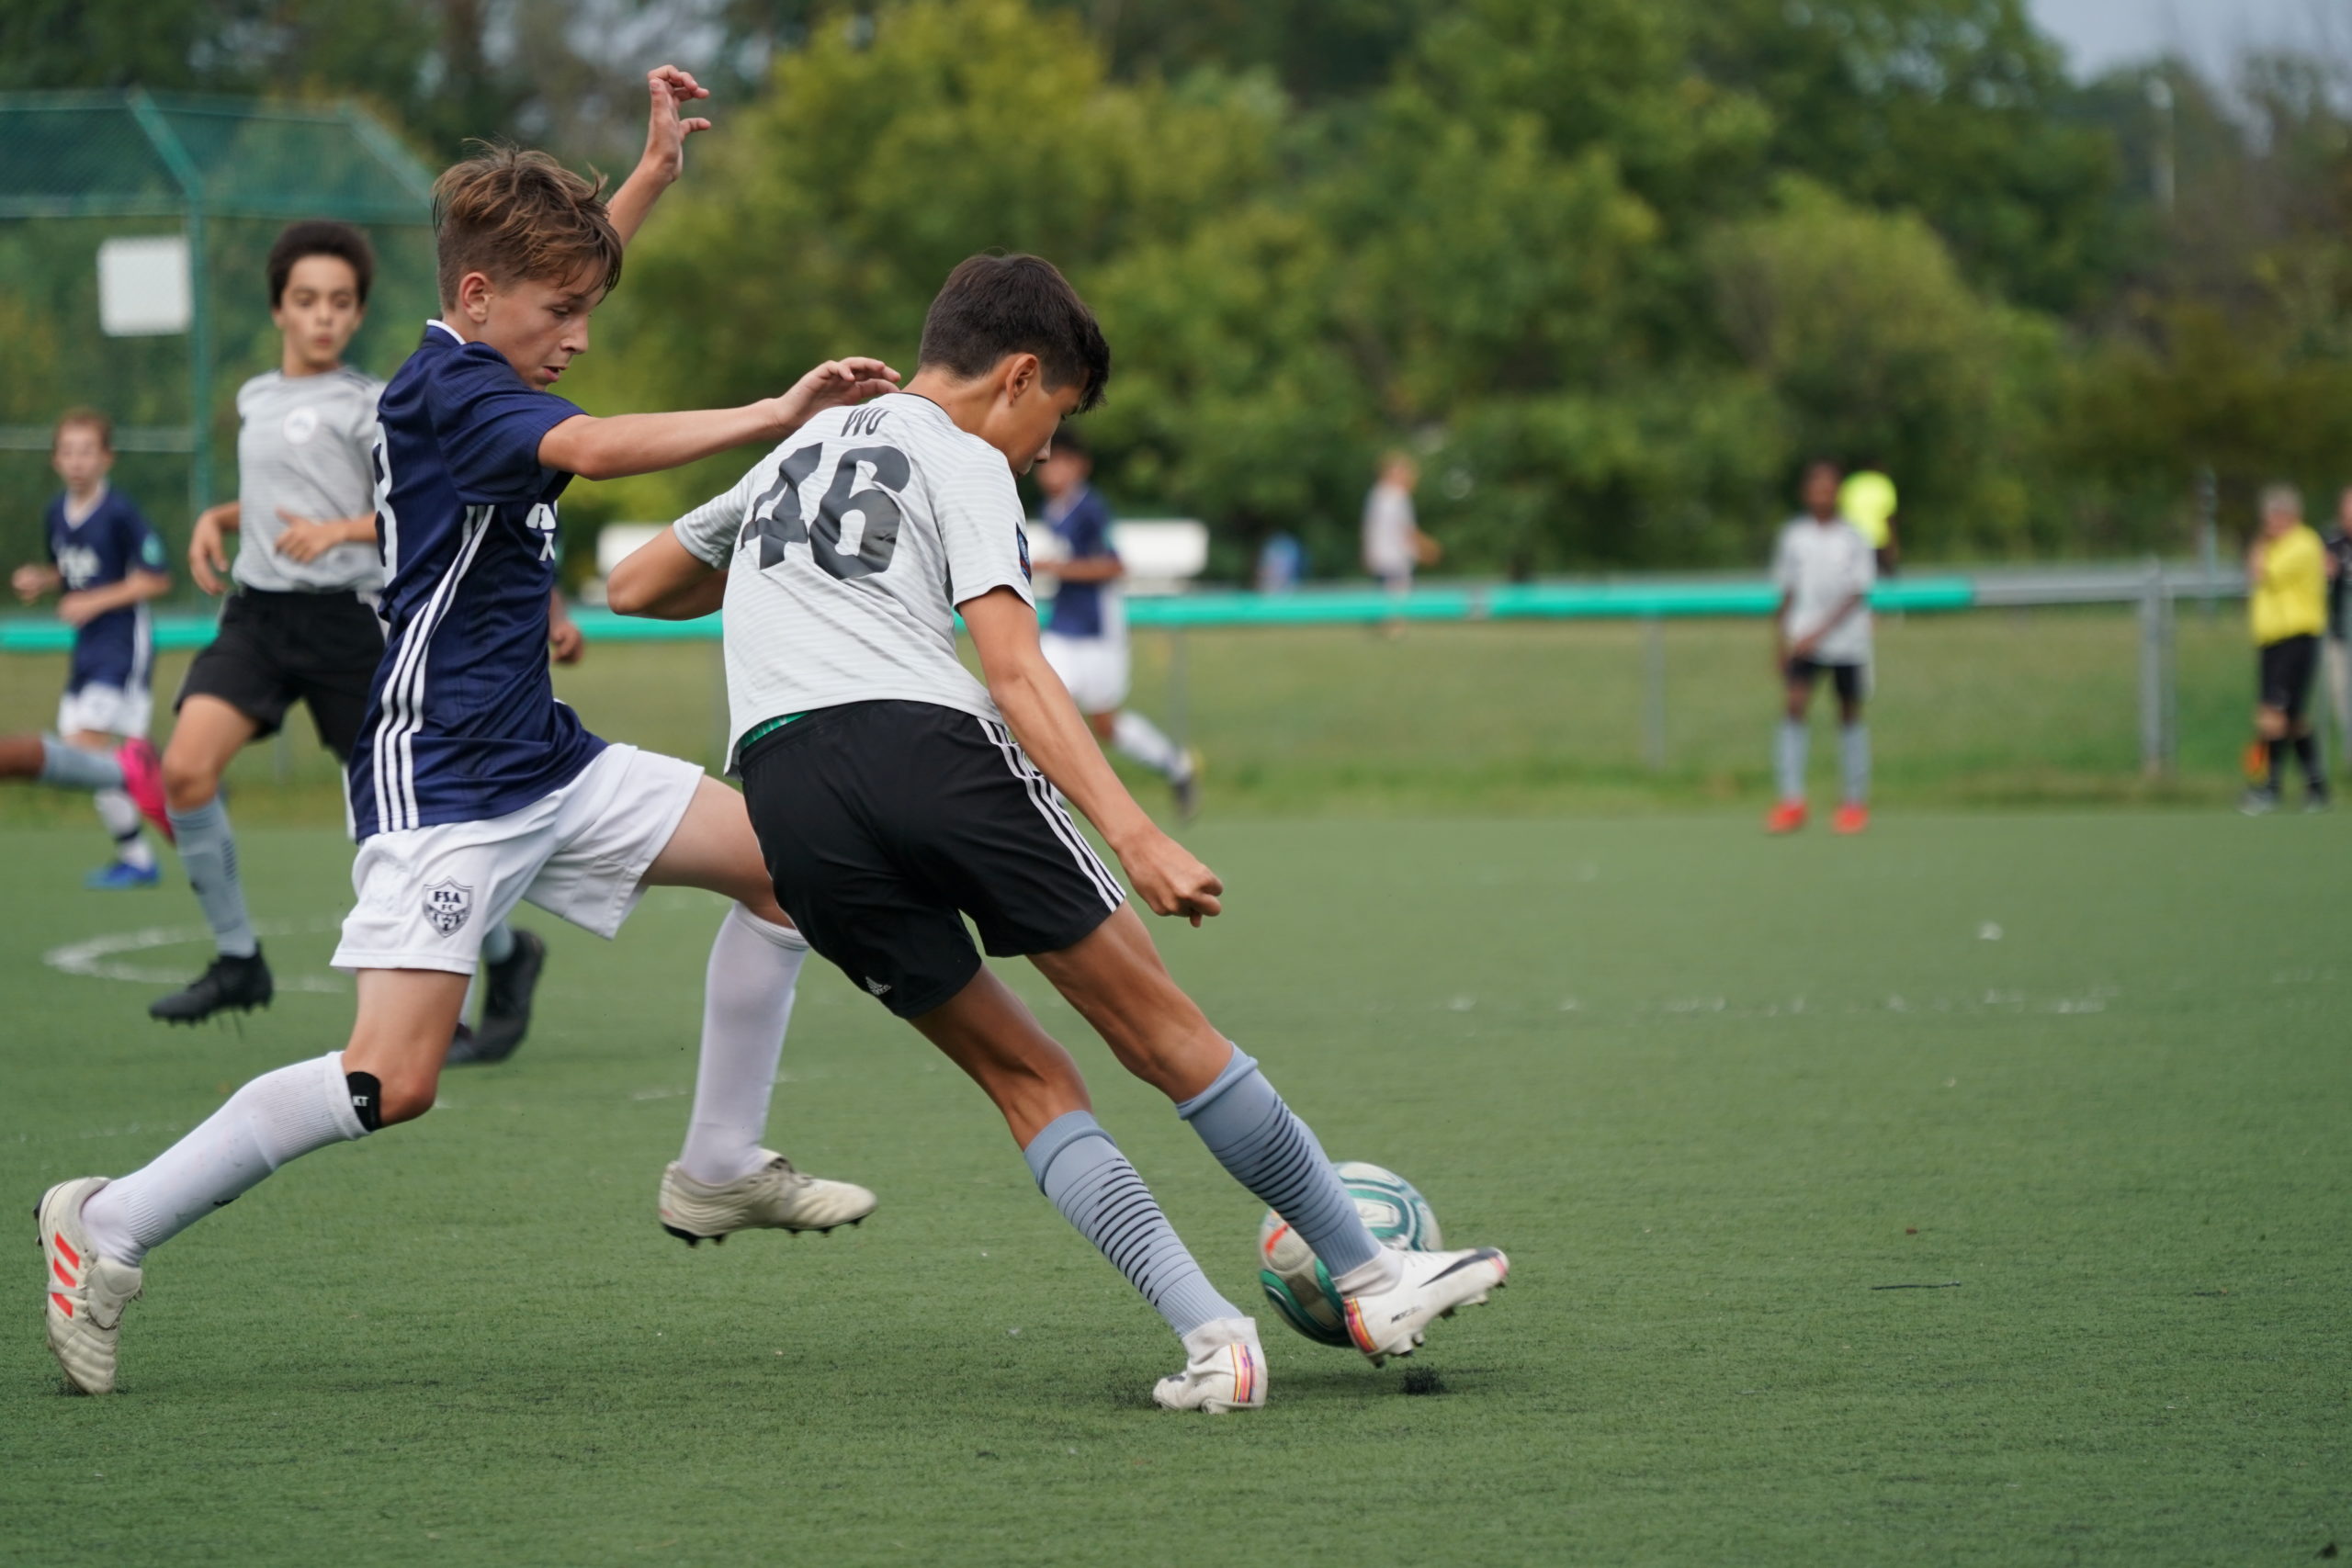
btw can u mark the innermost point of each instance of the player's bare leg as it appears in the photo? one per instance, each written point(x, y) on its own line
point(206, 737)
point(724, 1179)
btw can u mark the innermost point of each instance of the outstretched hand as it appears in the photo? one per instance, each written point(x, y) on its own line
point(830, 385)
point(666, 127)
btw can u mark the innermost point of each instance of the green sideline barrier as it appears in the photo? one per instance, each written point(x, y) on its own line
point(1311, 607)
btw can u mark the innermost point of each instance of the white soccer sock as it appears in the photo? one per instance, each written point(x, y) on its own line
point(116, 810)
point(746, 1003)
point(1140, 738)
point(274, 1118)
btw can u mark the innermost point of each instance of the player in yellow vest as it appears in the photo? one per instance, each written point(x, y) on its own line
point(2286, 576)
point(1867, 500)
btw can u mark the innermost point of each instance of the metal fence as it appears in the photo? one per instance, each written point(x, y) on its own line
point(2156, 588)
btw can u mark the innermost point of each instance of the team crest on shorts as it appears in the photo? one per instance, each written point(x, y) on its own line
point(447, 905)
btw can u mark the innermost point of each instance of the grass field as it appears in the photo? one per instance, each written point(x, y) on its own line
point(2001, 708)
point(2084, 1074)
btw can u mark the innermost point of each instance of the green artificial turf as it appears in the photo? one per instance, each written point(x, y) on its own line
point(2083, 1075)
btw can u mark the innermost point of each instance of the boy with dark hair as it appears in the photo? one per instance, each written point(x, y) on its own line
point(471, 787)
point(1085, 635)
point(1825, 569)
point(894, 795)
point(299, 622)
point(2287, 603)
point(104, 561)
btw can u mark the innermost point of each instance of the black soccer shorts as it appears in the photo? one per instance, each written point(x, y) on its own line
point(275, 649)
point(884, 823)
point(1846, 679)
point(2285, 673)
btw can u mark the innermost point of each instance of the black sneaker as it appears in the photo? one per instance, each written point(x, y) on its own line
point(238, 984)
point(2318, 798)
point(506, 1005)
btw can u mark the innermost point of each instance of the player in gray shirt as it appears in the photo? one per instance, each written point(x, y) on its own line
point(300, 623)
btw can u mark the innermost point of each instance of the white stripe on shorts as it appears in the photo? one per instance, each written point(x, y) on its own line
point(1048, 802)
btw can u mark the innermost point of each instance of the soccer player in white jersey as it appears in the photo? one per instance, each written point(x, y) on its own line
point(300, 623)
point(893, 793)
point(471, 787)
point(1085, 634)
point(1825, 569)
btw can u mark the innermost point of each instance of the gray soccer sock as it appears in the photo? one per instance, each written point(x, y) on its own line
point(497, 943)
point(1788, 758)
point(208, 854)
point(1854, 762)
point(1078, 1167)
point(1270, 1152)
point(70, 767)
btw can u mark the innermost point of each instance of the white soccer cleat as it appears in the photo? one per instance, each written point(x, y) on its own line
point(1429, 1285)
point(86, 1293)
point(1226, 1370)
point(774, 1197)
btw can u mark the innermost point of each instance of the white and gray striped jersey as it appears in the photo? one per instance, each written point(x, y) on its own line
point(847, 549)
point(304, 444)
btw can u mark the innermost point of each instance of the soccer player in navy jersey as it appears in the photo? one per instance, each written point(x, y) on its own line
point(471, 787)
point(104, 562)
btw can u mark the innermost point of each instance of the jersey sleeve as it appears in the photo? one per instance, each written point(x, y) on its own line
point(1088, 530)
point(980, 517)
point(1784, 564)
point(489, 424)
point(141, 547)
point(708, 531)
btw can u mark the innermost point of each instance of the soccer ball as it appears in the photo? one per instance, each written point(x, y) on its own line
point(1295, 1278)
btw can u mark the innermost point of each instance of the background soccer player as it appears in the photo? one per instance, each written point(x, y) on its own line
point(1393, 544)
point(1085, 634)
point(1825, 569)
point(107, 562)
point(2338, 648)
point(2287, 604)
point(299, 623)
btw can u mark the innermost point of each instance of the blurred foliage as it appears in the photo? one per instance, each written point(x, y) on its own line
point(1614, 270)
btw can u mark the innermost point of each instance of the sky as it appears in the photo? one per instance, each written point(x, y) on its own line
point(2102, 33)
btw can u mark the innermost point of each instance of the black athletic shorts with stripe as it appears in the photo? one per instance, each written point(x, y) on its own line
point(273, 650)
point(882, 824)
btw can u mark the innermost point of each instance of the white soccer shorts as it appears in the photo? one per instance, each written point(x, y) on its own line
point(1093, 668)
point(108, 710)
point(424, 895)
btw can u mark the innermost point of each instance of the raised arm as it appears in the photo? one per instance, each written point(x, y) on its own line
point(1043, 719)
point(664, 158)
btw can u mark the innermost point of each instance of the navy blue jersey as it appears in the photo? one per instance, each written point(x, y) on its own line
point(1084, 528)
point(105, 547)
point(463, 725)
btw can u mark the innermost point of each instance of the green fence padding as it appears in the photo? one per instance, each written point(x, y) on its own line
point(1311, 607)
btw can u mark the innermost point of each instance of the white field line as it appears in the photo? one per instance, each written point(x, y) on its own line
point(101, 957)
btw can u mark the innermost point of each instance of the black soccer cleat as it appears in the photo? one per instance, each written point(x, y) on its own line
point(506, 1005)
point(231, 984)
